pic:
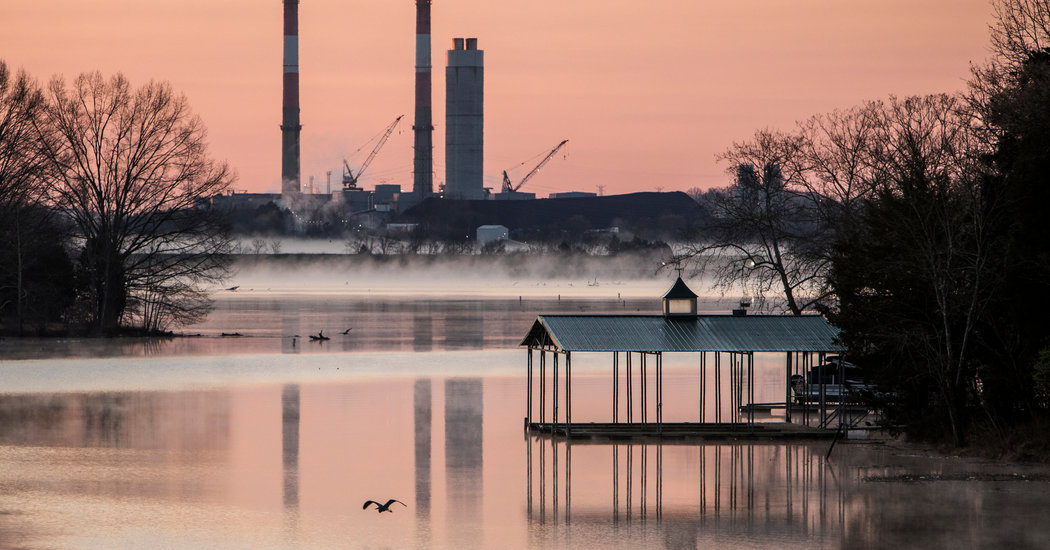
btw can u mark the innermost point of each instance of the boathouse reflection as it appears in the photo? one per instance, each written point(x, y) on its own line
point(788, 488)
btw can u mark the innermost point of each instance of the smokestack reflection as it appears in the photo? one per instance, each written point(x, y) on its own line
point(422, 333)
point(422, 420)
point(463, 450)
point(290, 445)
point(466, 329)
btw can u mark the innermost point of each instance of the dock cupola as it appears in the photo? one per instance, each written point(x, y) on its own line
point(680, 300)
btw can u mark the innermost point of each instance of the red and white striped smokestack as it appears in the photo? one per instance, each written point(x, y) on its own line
point(290, 125)
point(423, 165)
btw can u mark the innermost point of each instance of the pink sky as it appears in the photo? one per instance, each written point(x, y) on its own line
point(647, 92)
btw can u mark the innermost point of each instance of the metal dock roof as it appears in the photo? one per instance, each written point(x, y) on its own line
point(725, 333)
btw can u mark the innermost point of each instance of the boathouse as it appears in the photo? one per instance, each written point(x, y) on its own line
point(724, 346)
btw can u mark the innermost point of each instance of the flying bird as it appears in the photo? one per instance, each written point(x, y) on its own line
point(383, 507)
point(347, 331)
point(233, 288)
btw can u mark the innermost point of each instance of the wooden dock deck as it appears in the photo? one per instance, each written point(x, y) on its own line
point(678, 430)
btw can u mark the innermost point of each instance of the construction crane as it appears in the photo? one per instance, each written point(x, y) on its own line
point(349, 179)
point(509, 187)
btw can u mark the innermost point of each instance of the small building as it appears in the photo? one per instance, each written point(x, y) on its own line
point(572, 195)
point(725, 346)
point(401, 228)
point(514, 196)
point(491, 233)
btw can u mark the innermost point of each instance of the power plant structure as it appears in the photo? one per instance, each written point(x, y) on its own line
point(290, 126)
point(423, 163)
point(464, 140)
point(464, 120)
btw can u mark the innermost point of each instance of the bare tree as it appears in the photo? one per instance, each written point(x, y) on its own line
point(1020, 27)
point(29, 245)
point(763, 232)
point(127, 167)
point(258, 245)
point(833, 163)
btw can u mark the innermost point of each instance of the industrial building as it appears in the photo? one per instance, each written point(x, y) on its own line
point(464, 120)
point(464, 141)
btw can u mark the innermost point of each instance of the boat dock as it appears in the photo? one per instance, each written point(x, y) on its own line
point(726, 345)
point(678, 431)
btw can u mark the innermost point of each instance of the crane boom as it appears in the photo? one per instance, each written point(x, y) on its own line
point(509, 187)
point(349, 179)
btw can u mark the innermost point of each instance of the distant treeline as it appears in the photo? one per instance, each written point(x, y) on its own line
point(668, 217)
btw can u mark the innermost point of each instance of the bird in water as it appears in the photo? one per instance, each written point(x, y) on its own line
point(383, 507)
point(319, 337)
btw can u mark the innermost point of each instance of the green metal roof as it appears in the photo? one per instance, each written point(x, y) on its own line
point(726, 333)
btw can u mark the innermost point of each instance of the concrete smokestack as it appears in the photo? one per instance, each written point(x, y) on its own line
point(423, 165)
point(464, 120)
point(290, 126)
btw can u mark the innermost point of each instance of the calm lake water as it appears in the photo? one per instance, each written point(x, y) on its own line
point(268, 440)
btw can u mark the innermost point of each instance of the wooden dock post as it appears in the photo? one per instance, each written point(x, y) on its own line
point(616, 387)
point(703, 371)
point(659, 390)
point(554, 398)
point(528, 392)
point(543, 385)
point(568, 395)
point(718, 387)
point(630, 394)
point(787, 389)
point(642, 368)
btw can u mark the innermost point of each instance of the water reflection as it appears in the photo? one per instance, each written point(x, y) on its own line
point(421, 421)
point(290, 445)
point(464, 447)
point(193, 421)
point(465, 327)
point(782, 490)
point(291, 338)
point(288, 465)
point(422, 333)
point(267, 323)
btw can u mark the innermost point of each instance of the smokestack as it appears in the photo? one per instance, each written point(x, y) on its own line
point(464, 120)
point(423, 166)
point(290, 127)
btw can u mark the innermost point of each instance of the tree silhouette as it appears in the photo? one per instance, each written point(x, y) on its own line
point(127, 167)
